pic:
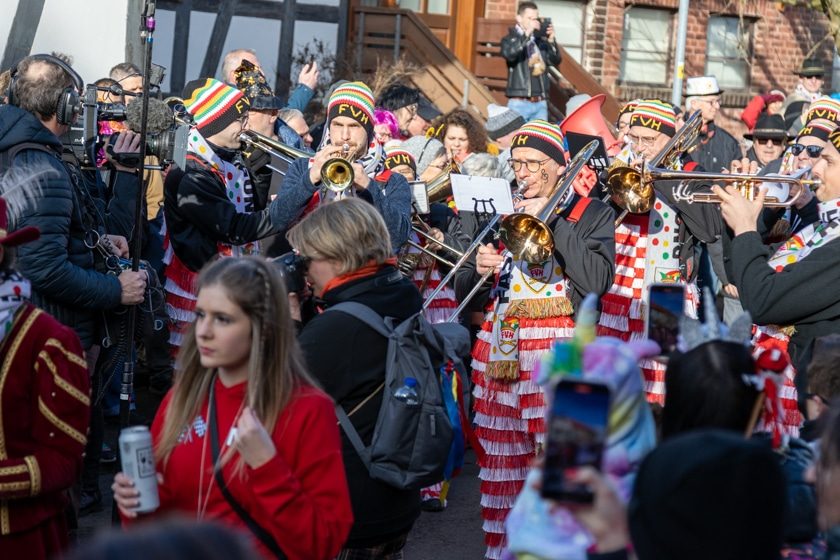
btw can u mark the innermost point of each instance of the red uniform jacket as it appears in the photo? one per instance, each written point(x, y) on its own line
point(300, 496)
point(44, 416)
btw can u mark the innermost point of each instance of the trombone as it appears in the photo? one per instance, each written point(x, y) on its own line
point(254, 140)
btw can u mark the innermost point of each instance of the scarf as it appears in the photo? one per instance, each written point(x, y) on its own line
point(368, 269)
point(803, 93)
point(800, 245)
point(14, 290)
point(373, 161)
point(535, 59)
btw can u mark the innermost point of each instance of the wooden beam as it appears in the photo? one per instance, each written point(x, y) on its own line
point(180, 46)
point(134, 46)
point(22, 33)
point(463, 27)
point(285, 48)
point(262, 9)
point(217, 39)
point(343, 25)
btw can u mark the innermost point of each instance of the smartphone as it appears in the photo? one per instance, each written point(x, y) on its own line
point(666, 305)
point(577, 431)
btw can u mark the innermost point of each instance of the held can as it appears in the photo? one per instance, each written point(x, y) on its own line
point(138, 463)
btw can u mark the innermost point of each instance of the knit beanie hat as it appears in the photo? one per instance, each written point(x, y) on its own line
point(354, 100)
point(655, 115)
point(423, 150)
point(628, 107)
point(502, 121)
point(214, 105)
point(817, 128)
point(824, 108)
point(397, 156)
point(834, 138)
point(543, 136)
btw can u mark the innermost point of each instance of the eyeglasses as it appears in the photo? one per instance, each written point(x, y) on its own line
point(812, 151)
point(773, 141)
point(643, 141)
point(532, 166)
point(713, 101)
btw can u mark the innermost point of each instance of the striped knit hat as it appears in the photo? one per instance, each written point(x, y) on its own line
point(655, 115)
point(817, 128)
point(628, 107)
point(824, 108)
point(354, 100)
point(543, 136)
point(214, 105)
point(397, 156)
point(834, 139)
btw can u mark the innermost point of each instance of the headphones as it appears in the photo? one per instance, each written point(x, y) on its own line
point(69, 103)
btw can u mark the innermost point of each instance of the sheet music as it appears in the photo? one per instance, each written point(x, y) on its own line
point(482, 194)
point(419, 196)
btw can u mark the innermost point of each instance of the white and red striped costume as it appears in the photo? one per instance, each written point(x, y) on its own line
point(646, 252)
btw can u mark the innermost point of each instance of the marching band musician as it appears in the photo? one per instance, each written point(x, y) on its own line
point(655, 247)
point(350, 123)
point(530, 306)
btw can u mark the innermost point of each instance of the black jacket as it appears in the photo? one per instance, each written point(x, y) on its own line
point(515, 50)
point(586, 250)
point(199, 214)
point(716, 149)
point(59, 265)
point(348, 359)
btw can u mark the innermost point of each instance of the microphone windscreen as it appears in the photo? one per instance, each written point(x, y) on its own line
point(160, 116)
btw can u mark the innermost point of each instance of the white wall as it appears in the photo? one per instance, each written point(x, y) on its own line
point(91, 31)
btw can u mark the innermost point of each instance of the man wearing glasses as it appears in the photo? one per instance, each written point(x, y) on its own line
point(769, 140)
point(531, 306)
point(658, 246)
point(716, 148)
point(811, 79)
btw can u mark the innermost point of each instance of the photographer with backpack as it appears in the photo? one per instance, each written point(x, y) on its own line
point(347, 251)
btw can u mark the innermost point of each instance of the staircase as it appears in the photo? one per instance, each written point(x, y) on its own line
point(386, 34)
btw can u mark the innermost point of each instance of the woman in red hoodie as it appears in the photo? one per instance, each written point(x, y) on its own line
point(245, 405)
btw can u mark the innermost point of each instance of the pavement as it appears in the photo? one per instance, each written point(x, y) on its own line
point(453, 534)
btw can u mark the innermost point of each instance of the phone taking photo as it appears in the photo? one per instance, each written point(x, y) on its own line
point(666, 305)
point(577, 433)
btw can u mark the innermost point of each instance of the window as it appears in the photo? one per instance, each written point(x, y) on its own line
point(567, 16)
point(646, 46)
point(425, 6)
point(729, 51)
point(835, 73)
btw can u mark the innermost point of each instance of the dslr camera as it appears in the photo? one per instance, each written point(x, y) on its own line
point(292, 268)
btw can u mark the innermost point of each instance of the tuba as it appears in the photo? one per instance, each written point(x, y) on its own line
point(632, 189)
point(588, 120)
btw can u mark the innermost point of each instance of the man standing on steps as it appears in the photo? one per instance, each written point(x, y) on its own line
point(529, 49)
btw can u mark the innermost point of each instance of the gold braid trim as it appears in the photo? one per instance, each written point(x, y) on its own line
point(502, 370)
point(71, 357)
point(34, 474)
point(7, 363)
point(5, 526)
point(61, 382)
point(540, 308)
point(14, 486)
point(8, 471)
point(60, 424)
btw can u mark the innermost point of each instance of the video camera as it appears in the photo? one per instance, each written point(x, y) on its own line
point(165, 137)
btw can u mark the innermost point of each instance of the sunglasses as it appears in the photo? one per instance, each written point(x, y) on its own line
point(813, 151)
point(774, 141)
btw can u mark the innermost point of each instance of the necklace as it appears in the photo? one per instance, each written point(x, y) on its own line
point(204, 497)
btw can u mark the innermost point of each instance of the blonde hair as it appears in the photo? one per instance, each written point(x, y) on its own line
point(276, 362)
point(349, 232)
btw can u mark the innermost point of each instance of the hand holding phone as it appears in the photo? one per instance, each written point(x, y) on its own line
point(666, 304)
point(577, 432)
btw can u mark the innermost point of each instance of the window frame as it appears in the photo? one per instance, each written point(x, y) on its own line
point(582, 4)
point(669, 49)
point(749, 25)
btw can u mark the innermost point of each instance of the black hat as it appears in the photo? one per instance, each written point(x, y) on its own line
point(793, 112)
point(427, 111)
point(251, 81)
point(769, 126)
point(811, 67)
point(708, 491)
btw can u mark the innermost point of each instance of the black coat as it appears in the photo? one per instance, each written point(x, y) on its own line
point(519, 82)
point(59, 265)
point(717, 151)
point(199, 214)
point(348, 359)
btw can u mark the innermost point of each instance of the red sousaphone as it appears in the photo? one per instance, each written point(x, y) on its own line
point(587, 119)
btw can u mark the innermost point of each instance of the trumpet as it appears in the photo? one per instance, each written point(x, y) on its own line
point(337, 173)
point(254, 140)
point(748, 185)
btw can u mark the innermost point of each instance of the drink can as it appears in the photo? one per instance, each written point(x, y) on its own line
point(138, 463)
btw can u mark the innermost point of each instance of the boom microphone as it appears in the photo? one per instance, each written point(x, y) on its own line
point(159, 120)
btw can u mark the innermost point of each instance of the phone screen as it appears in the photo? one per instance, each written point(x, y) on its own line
point(576, 434)
point(665, 308)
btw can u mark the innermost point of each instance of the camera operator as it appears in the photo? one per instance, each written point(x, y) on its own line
point(529, 48)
